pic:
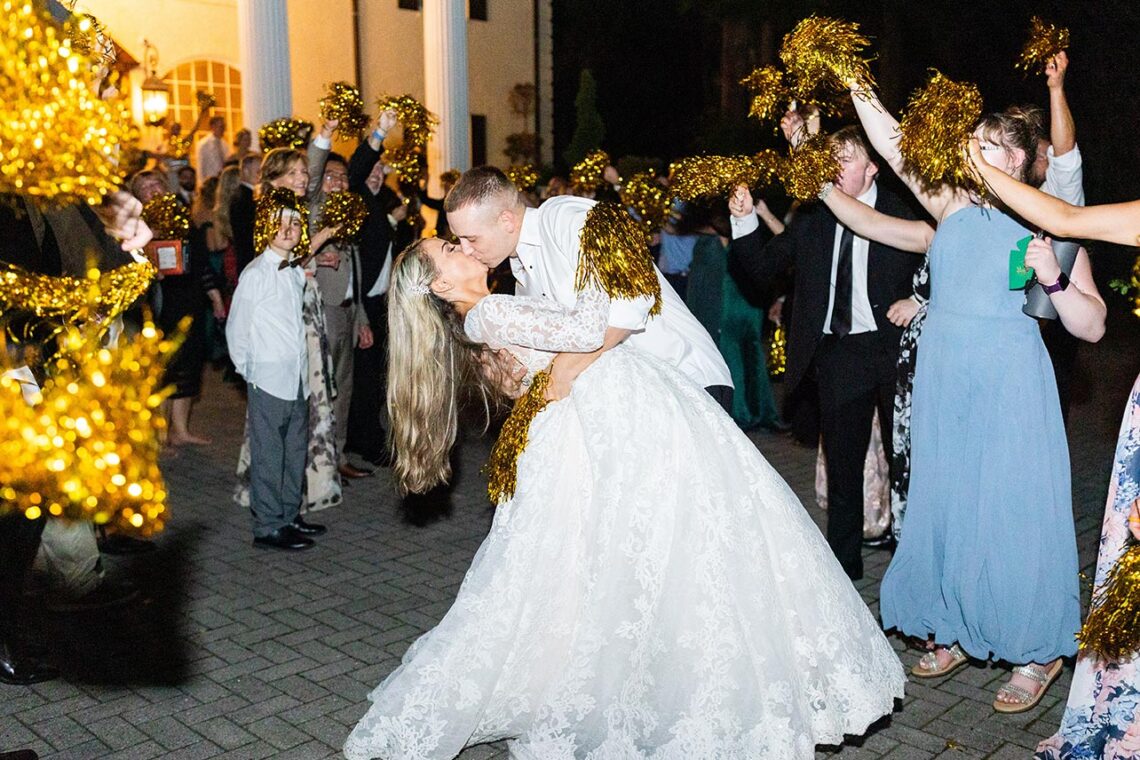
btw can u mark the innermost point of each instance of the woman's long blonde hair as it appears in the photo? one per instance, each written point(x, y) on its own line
point(228, 183)
point(432, 368)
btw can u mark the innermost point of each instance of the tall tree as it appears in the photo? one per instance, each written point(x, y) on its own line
point(589, 130)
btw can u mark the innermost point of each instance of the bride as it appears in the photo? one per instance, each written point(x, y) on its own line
point(652, 589)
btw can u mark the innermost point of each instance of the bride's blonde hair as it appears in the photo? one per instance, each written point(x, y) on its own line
point(432, 368)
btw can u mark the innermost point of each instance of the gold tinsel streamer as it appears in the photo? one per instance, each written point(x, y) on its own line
point(936, 125)
point(502, 467)
point(178, 146)
point(167, 218)
point(586, 175)
point(777, 352)
point(822, 55)
point(812, 164)
point(523, 176)
point(717, 176)
point(88, 36)
point(1112, 628)
point(267, 219)
point(206, 100)
point(769, 92)
point(409, 163)
point(615, 256)
point(89, 449)
point(58, 141)
point(101, 297)
point(1045, 41)
point(417, 122)
point(648, 199)
point(284, 133)
point(345, 209)
point(343, 103)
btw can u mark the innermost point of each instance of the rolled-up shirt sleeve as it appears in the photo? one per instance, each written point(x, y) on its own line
point(1065, 177)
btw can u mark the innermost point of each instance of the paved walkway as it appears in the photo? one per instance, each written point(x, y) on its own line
point(247, 654)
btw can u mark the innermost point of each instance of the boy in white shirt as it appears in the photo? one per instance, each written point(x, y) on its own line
point(266, 337)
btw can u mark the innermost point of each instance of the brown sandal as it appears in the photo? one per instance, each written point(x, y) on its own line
point(1027, 700)
point(927, 666)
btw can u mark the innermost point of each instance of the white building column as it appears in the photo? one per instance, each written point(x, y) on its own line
point(266, 85)
point(445, 86)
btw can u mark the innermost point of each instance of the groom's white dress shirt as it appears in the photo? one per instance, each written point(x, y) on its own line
point(545, 265)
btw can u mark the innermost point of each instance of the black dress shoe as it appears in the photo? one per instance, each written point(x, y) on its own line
point(885, 541)
point(284, 539)
point(308, 528)
point(21, 671)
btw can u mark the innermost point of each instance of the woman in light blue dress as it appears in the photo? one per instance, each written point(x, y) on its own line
point(987, 566)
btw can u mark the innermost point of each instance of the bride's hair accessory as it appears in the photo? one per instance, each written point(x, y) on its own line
point(419, 289)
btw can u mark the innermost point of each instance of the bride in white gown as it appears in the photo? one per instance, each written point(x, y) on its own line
point(653, 589)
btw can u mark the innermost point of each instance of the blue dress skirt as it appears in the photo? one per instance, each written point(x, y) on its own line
point(988, 558)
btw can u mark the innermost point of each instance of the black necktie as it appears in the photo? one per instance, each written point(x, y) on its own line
point(841, 308)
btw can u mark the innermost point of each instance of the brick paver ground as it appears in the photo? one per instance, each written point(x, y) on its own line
point(238, 653)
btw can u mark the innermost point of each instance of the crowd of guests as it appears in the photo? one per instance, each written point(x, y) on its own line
point(907, 355)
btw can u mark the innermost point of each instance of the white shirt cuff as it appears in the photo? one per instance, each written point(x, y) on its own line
point(744, 225)
point(322, 142)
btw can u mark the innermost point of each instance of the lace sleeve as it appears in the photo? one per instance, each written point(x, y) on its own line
point(503, 321)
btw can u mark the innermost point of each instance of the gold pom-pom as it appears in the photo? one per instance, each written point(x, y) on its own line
point(99, 298)
point(936, 125)
point(1112, 629)
point(648, 199)
point(409, 163)
point(823, 56)
point(717, 176)
point(615, 256)
point(206, 100)
point(586, 175)
point(812, 164)
point(267, 219)
point(778, 352)
point(89, 448)
point(343, 103)
point(167, 218)
point(502, 466)
point(89, 37)
point(523, 176)
point(59, 142)
point(417, 122)
point(1045, 41)
point(284, 133)
point(769, 93)
point(178, 146)
point(344, 209)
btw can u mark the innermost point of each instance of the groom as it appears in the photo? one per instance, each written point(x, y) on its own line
point(487, 214)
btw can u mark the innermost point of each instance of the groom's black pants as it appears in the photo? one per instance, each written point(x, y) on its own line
point(857, 378)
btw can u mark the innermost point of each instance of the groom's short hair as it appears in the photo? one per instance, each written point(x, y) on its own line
point(481, 186)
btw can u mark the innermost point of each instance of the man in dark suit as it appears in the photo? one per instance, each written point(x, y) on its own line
point(242, 210)
point(839, 329)
point(383, 235)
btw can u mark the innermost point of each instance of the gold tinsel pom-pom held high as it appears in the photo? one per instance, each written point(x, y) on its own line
point(769, 93)
point(267, 219)
point(1045, 41)
point(503, 465)
point(345, 209)
point(615, 256)
point(89, 448)
point(717, 176)
point(167, 218)
point(822, 56)
point(812, 164)
point(284, 133)
point(1112, 629)
point(416, 121)
point(60, 143)
point(586, 175)
point(344, 104)
point(522, 176)
point(935, 127)
point(65, 300)
point(649, 201)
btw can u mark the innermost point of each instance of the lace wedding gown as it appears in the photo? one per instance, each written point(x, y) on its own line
point(654, 589)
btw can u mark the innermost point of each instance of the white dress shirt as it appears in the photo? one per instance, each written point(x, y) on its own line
point(545, 265)
point(212, 155)
point(862, 318)
point(265, 333)
point(1065, 178)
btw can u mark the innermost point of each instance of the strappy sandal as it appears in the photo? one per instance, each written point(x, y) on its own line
point(927, 666)
point(1027, 700)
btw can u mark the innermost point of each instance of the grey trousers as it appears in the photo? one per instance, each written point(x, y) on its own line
point(278, 443)
point(342, 339)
